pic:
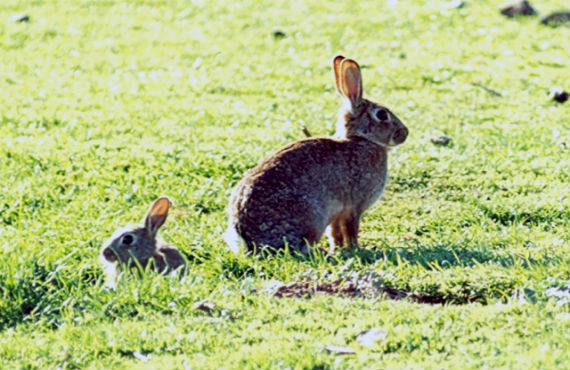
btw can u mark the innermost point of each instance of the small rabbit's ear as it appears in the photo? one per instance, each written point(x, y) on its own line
point(157, 215)
point(336, 68)
point(351, 81)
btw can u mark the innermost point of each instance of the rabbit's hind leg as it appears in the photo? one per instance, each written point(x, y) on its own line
point(335, 234)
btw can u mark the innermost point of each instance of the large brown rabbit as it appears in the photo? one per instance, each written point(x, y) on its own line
point(292, 196)
point(137, 245)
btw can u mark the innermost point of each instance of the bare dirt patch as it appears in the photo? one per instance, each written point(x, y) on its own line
point(367, 286)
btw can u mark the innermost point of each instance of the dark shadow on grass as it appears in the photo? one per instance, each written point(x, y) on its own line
point(37, 293)
point(546, 217)
point(441, 256)
point(239, 268)
point(428, 256)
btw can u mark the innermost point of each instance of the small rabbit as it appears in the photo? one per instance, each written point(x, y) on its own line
point(318, 184)
point(137, 245)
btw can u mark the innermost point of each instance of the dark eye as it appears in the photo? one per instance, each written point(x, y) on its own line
point(381, 114)
point(128, 239)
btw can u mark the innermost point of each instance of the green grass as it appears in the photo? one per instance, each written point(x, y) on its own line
point(106, 105)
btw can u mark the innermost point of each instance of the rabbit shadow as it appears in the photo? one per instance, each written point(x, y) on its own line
point(439, 256)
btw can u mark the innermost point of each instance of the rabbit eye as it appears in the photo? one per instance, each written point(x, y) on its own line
point(128, 239)
point(381, 114)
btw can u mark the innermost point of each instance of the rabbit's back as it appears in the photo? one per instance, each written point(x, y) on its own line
point(170, 259)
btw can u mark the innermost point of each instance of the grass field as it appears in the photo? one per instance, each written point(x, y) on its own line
point(106, 105)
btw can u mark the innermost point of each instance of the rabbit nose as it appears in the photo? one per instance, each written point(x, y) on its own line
point(109, 255)
point(400, 135)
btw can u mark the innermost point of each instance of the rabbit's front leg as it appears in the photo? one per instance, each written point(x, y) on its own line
point(343, 230)
point(350, 231)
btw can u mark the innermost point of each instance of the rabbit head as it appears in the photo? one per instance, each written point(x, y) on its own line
point(360, 117)
point(137, 243)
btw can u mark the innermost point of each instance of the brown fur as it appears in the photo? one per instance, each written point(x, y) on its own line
point(292, 196)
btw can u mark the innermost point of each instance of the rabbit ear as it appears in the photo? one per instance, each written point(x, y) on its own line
point(351, 81)
point(157, 215)
point(336, 69)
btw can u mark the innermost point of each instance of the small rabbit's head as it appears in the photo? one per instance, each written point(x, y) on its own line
point(360, 117)
point(137, 243)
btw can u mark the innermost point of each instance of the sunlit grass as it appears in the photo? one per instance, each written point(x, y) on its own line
point(105, 106)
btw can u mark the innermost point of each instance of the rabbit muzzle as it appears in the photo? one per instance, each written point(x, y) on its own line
point(109, 255)
point(399, 136)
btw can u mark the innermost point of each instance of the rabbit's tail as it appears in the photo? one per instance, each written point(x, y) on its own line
point(233, 239)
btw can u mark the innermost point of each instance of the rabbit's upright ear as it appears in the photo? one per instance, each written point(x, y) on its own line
point(157, 215)
point(351, 81)
point(336, 68)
